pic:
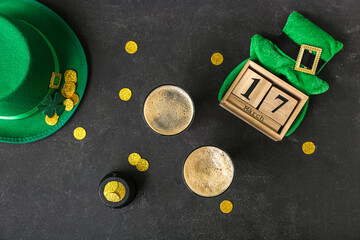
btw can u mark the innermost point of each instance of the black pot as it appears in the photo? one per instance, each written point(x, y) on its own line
point(127, 181)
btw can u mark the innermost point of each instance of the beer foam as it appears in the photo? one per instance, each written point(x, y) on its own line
point(208, 171)
point(168, 110)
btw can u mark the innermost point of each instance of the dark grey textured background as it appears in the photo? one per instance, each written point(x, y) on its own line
point(48, 189)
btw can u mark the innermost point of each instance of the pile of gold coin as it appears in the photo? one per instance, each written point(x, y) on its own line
point(141, 164)
point(68, 90)
point(114, 191)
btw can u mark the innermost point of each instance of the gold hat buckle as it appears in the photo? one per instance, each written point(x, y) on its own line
point(300, 56)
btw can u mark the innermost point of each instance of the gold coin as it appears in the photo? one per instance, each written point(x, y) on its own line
point(68, 89)
point(69, 104)
point(79, 133)
point(112, 197)
point(226, 206)
point(143, 165)
point(308, 147)
point(134, 158)
point(70, 76)
point(217, 58)
point(121, 191)
point(53, 120)
point(125, 94)
point(75, 98)
point(131, 47)
point(111, 186)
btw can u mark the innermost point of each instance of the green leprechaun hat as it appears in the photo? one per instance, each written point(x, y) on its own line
point(36, 48)
point(298, 54)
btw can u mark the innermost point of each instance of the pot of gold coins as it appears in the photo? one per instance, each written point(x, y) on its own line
point(117, 190)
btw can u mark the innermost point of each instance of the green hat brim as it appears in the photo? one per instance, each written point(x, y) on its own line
point(71, 55)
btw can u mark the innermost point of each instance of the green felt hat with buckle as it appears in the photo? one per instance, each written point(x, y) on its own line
point(36, 48)
point(298, 54)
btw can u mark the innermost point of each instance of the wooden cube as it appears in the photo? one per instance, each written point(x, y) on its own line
point(278, 105)
point(252, 88)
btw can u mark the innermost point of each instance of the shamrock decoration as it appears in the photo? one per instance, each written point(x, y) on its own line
point(51, 106)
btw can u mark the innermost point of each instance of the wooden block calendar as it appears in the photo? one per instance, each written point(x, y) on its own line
point(264, 101)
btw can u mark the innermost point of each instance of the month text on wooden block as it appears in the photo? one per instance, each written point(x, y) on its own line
point(252, 88)
point(254, 113)
point(278, 105)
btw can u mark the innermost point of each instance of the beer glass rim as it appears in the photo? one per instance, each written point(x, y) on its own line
point(192, 103)
point(183, 165)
